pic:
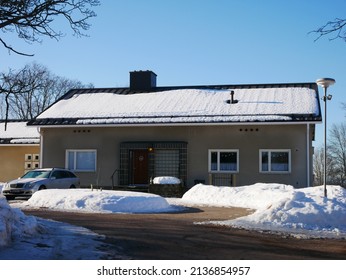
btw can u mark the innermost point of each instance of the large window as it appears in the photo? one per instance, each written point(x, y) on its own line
point(81, 160)
point(275, 161)
point(223, 160)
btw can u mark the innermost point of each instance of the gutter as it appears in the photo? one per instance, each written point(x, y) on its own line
point(177, 124)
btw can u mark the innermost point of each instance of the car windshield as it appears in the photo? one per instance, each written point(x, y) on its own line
point(37, 174)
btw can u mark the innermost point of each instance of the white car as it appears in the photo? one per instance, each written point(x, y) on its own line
point(39, 179)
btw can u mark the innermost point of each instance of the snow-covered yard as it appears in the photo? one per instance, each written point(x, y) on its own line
point(279, 208)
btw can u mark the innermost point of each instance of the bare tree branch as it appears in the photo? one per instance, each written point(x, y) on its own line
point(334, 28)
point(13, 50)
point(33, 19)
point(343, 104)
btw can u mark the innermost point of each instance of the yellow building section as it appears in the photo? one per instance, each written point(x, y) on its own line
point(16, 160)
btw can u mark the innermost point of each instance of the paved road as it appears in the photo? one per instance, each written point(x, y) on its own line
point(177, 237)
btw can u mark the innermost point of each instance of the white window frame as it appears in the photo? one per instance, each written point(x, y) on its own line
point(218, 151)
point(269, 151)
point(75, 151)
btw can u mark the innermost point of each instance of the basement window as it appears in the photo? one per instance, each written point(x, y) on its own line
point(81, 160)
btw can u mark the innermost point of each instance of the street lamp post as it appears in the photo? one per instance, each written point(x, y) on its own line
point(325, 83)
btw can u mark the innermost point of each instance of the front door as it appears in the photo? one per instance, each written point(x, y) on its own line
point(140, 167)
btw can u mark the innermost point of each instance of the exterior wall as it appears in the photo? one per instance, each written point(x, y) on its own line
point(248, 139)
point(13, 160)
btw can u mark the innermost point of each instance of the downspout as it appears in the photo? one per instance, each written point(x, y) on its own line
point(41, 146)
point(308, 154)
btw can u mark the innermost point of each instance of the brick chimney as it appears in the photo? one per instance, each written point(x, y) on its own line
point(142, 80)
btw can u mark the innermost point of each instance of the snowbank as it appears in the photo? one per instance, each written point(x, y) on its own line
point(100, 201)
point(280, 208)
point(255, 196)
point(13, 223)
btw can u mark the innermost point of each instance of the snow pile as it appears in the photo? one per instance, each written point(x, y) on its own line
point(100, 201)
point(256, 196)
point(166, 180)
point(13, 223)
point(280, 207)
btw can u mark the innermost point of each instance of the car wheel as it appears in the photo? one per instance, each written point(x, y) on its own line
point(10, 197)
point(42, 188)
point(72, 187)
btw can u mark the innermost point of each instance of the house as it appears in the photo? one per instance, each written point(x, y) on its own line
point(19, 149)
point(218, 134)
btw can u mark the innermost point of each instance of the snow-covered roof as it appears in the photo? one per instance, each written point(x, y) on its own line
point(186, 105)
point(17, 132)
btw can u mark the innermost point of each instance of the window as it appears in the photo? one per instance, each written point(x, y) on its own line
point(223, 161)
point(167, 163)
point(275, 161)
point(58, 174)
point(28, 157)
point(81, 160)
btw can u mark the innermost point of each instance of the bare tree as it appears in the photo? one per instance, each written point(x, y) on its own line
point(338, 152)
point(29, 91)
point(10, 84)
point(33, 19)
point(334, 28)
point(318, 167)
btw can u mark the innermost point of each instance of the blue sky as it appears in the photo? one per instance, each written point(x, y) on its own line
point(196, 42)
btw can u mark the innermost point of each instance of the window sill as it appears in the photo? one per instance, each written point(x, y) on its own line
point(223, 172)
point(275, 172)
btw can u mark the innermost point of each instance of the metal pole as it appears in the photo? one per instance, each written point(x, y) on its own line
point(325, 83)
point(325, 142)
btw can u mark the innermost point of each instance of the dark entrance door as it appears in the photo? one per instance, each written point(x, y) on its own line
point(140, 167)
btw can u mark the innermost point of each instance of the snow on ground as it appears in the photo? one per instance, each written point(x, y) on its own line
point(100, 201)
point(279, 208)
point(27, 237)
point(57, 241)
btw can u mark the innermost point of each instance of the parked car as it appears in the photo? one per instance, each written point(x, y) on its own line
point(39, 179)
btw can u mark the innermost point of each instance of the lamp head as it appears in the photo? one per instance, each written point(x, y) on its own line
point(325, 82)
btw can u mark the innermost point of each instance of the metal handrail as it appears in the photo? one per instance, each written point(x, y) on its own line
point(112, 177)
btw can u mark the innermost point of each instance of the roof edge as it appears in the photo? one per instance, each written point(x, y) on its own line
point(311, 85)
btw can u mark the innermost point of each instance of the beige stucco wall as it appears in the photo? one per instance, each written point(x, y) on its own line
point(12, 163)
point(247, 139)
